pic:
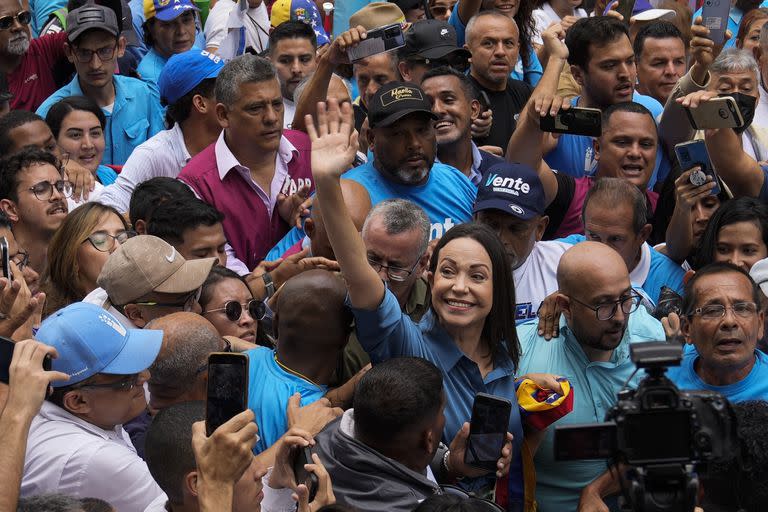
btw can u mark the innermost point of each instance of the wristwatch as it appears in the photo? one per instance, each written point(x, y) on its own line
point(269, 285)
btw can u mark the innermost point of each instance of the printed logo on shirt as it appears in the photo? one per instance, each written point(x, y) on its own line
point(524, 311)
point(438, 229)
point(290, 186)
point(31, 77)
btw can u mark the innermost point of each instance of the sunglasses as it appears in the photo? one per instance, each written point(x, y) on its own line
point(124, 384)
point(24, 18)
point(234, 310)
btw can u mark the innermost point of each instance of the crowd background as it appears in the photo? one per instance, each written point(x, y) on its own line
point(383, 238)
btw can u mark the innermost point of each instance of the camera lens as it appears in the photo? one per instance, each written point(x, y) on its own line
point(566, 118)
point(723, 113)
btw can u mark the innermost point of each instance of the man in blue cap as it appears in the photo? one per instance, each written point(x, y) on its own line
point(170, 28)
point(77, 444)
point(132, 107)
point(187, 88)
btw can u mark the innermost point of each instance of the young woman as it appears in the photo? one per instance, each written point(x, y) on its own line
point(469, 332)
point(78, 251)
point(736, 233)
point(229, 305)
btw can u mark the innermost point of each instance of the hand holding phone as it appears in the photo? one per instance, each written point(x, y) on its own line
point(715, 113)
point(714, 15)
point(487, 431)
point(378, 40)
point(227, 388)
point(574, 121)
point(303, 456)
point(694, 154)
point(6, 258)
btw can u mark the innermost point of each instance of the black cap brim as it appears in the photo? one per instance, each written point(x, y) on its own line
point(440, 52)
point(390, 119)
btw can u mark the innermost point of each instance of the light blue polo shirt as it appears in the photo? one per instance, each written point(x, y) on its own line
point(753, 387)
point(135, 117)
point(594, 384)
point(150, 66)
point(269, 388)
point(387, 332)
point(574, 154)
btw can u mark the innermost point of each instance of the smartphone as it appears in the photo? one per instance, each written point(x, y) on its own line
point(714, 15)
point(720, 112)
point(5, 254)
point(487, 431)
point(485, 101)
point(6, 354)
point(692, 154)
point(378, 40)
point(304, 456)
point(575, 120)
point(625, 8)
point(227, 388)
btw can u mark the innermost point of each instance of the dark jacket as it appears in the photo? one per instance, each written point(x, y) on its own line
point(365, 479)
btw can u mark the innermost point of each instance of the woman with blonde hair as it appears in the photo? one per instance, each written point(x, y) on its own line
point(78, 251)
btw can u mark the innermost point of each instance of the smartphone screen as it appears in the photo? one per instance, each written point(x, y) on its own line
point(304, 456)
point(487, 431)
point(6, 354)
point(227, 388)
point(6, 258)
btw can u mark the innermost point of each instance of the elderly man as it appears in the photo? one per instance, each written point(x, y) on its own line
point(600, 320)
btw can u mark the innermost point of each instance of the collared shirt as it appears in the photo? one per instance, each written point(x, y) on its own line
point(387, 332)
point(165, 154)
point(481, 160)
point(66, 454)
point(150, 66)
point(135, 117)
point(252, 224)
point(33, 80)
point(594, 384)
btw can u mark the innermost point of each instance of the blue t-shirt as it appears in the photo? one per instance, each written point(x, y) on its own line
point(753, 387)
point(447, 196)
point(594, 386)
point(531, 73)
point(574, 154)
point(106, 175)
point(150, 66)
point(652, 272)
point(269, 388)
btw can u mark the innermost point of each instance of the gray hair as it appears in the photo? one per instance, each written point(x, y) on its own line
point(734, 60)
point(49, 503)
point(299, 91)
point(616, 192)
point(241, 70)
point(400, 216)
point(180, 365)
point(469, 31)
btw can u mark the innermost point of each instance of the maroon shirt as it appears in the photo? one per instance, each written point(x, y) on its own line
point(33, 80)
point(251, 230)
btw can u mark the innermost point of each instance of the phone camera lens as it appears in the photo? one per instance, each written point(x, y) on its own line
point(723, 113)
point(566, 118)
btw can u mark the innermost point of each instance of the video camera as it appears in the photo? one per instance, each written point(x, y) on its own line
point(666, 435)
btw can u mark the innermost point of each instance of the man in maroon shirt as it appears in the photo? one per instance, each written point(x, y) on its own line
point(28, 63)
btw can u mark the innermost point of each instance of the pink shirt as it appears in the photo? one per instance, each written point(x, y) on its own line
point(252, 224)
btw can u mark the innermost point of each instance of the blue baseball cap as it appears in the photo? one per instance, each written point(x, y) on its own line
point(91, 340)
point(512, 188)
point(184, 71)
point(167, 10)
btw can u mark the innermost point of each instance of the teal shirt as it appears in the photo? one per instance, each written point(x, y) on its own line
point(136, 115)
point(594, 384)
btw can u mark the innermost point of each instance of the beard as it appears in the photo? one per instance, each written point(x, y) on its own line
point(18, 46)
point(597, 341)
point(411, 176)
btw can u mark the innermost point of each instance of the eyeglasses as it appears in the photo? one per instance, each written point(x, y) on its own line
point(125, 384)
point(716, 311)
point(187, 305)
point(23, 17)
point(394, 273)
point(21, 260)
point(234, 310)
point(44, 190)
point(85, 55)
point(607, 310)
point(104, 242)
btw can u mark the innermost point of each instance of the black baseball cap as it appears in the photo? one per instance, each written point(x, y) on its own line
point(395, 100)
point(91, 16)
point(432, 39)
point(407, 5)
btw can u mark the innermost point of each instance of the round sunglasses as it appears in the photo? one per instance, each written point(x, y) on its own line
point(234, 310)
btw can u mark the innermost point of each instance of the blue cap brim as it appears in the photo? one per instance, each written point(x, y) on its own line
point(505, 206)
point(138, 354)
point(172, 14)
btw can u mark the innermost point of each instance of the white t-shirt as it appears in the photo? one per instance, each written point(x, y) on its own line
point(290, 109)
point(544, 16)
point(536, 278)
point(222, 28)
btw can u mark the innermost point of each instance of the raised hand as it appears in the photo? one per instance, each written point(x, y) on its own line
point(334, 140)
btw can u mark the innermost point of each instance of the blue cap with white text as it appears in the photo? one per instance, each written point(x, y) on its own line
point(184, 71)
point(512, 188)
point(91, 340)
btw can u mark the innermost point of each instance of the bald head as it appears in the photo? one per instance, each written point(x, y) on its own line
point(311, 311)
point(187, 340)
point(358, 204)
point(587, 265)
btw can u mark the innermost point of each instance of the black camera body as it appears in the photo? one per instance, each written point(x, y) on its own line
point(664, 433)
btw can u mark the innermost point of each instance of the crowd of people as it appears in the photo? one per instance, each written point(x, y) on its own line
point(383, 238)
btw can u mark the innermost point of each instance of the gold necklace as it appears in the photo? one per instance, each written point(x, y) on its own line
point(294, 372)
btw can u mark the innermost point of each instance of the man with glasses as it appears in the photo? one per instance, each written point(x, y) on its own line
point(132, 107)
point(77, 444)
point(430, 44)
point(32, 66)
point(600, 320)
point(146, 278)
point(33, 195)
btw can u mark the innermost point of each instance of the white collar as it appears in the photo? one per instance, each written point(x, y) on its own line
point(226, 161)
point(52, 412)
point(640, 273)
